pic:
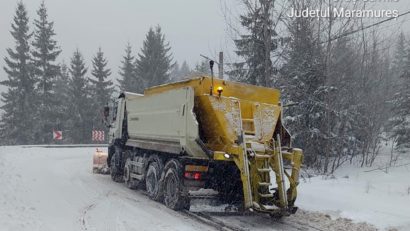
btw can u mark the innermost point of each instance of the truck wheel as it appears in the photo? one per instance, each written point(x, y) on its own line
point(173, 187)
point(116, 174)
point(152, 181)
point(131, 183)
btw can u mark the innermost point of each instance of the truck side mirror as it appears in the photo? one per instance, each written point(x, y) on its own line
point(106, 112)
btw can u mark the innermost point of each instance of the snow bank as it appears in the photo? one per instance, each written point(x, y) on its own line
point(377, 197)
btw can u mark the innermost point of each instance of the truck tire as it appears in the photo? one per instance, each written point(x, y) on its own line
point(131, 183)
point(116, 174)
point(152, 181)
point(174, 197)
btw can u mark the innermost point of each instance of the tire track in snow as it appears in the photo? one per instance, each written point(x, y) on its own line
point(90, 207)
point(211, 221)
point(84, 225)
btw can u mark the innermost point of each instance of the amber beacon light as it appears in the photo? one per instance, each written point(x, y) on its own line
point(220, 90)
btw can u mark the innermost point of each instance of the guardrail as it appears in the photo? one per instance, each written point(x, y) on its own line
point(64, 146)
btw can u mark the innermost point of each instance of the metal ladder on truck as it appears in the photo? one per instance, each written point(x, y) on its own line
point(261, 160)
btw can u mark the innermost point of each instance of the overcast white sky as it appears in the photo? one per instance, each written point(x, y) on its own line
point(192, 27)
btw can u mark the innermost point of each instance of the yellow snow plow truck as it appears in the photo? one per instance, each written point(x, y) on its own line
point(202, 133)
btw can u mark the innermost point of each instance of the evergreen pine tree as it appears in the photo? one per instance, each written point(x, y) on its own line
point(202, 68)
point(256, 47)
point(17, 126)
point(184, 71)
point(61, 83)
point(399, 59)
point(62, 97)
point(154, 62)
point(101, 87)
point(129, 81)
point(397, 69)
point(80, 120)
point(174, 74)
point(45, 52)
point(343, 107)
point(400, 121)
point(179, 73)
point(302, 82)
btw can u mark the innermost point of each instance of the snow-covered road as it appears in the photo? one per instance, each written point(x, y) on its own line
point(54, 189)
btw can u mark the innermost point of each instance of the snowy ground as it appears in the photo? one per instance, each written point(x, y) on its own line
point(54, 189)
point(377, 197)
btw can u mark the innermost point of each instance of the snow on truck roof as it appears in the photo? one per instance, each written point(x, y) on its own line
point(202, 84)
point(129, 95)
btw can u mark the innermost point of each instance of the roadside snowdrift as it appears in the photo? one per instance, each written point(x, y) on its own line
point(376, 197)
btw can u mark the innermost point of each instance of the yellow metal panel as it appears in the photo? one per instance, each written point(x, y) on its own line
point(219, 121)
point(219, 155)
point(265, 119)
